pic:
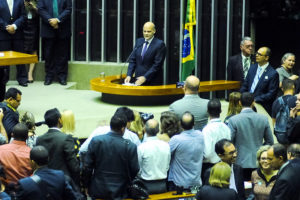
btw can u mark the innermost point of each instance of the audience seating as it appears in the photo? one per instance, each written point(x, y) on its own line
point(169, 195)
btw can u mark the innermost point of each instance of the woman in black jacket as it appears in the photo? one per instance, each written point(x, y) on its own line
point(218, 188)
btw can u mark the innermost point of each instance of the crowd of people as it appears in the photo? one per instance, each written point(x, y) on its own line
point(189, 150)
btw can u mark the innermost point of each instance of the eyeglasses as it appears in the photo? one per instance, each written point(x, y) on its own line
point(259, 54)
point(231, 152)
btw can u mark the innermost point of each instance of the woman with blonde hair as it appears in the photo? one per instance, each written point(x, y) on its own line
point(234, 106)
point(218, 188)
point(68, 121)
point(28, 119)
point(263, 179)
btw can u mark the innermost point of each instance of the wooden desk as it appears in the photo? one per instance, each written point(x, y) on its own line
point(113, 92)
point(16, 58)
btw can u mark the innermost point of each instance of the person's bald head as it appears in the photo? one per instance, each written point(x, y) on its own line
point(187, 121)
point(149, 30)
point(191, 85)
point(152, 127)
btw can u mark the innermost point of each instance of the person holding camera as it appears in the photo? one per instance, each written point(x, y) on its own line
point(31, 32)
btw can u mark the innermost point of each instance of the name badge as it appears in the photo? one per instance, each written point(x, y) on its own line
point(266, 77)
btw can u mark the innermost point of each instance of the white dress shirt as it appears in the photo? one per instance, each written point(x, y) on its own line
point(10, 4)
point(154, 159)
point(214, 131)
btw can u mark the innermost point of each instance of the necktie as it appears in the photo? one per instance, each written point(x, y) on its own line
point(10, 6)
point(246, 66)
point(55, 9)
point(144, 49)
point(256, 79)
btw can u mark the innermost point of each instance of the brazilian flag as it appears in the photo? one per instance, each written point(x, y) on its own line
point(188, 56)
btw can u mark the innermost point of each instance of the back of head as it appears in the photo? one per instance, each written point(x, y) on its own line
point(219, 146)
point(52, 117)
point(12, 93)
point(20, 132)
point(152, 127)
point(169, 123)
point(220, 175)
point(129, 114)
point(288, 84)
point(280, 150)
point(294, 150)
point(39, 154)
point(247, 99)
point(28, 119)
point(192, 84)
point(68, 121)
point(187, 121)
point(234, 106)
point(117, 122)
point(214, 108)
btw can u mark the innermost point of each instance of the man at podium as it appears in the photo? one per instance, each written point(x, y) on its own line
point(147, 58)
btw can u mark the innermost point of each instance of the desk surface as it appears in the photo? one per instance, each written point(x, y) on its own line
point(16, 58)
point(111, 86)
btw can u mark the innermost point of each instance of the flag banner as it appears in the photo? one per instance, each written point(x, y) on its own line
point(188, 56)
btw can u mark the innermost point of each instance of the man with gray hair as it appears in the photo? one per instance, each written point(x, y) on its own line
point(238, 65)
point(154, 157)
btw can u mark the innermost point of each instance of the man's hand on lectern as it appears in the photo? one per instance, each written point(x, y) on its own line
point(127, 79)
point(140, 80)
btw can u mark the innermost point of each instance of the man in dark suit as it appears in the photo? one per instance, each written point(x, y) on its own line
point(45, 183)
point(56, 32)
point(147, 58)
point(227, 152)
point(12, 16)
point(288, 183)
point(110, 163)
point(262, 80)
point(62, 154)
point(238, 65)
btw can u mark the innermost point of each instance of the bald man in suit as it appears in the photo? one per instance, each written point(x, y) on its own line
point(147, 58)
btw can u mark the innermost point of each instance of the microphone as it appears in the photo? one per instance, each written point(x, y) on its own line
point(127, 60)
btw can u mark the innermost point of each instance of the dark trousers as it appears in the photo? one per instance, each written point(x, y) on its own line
point(13, 45)
point(155, 186)
point(56, 54)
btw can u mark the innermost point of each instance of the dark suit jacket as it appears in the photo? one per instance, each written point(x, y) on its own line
point(110, 162)
point(52, 183)
point(288, 183)
point(238, 177)
point(266, 89)
point(208, 192)
point(235, 70)
point(62, 153)
point(10, 118)
point(151, 65)
point(64, 15)
point(17, 18)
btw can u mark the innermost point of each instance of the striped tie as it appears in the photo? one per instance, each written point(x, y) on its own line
point(256, 79)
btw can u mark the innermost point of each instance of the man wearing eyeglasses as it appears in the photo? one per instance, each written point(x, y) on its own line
point(12, 100)
point(262, 80)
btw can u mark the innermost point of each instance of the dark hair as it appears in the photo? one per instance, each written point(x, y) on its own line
point(288, 84)
point(214, 108)
point(151, 129)
point(187, 123)
point(294, 150)
point(127, 112)
point(219, 146)
point(51, 117)
point(117, 122)
point(280, 150)
point(12, 92)
point(20, 132)
point(39, 154)
point(169, 123)
point(268, 52)
point(247, 99)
